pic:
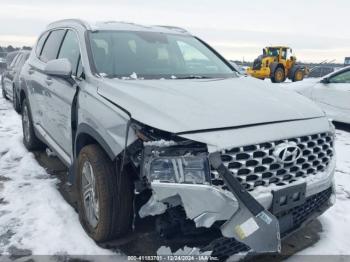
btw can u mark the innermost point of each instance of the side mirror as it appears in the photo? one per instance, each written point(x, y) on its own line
point(325, 80)
point(59, 67)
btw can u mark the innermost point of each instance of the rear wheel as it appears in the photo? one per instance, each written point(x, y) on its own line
point(4, 92)
point(15, 101)
point(105, 198)
point(278, 75)
point(298, 75)
point(30, 140)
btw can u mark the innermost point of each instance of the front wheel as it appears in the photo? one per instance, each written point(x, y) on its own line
point(278, 75)
point(105, 197)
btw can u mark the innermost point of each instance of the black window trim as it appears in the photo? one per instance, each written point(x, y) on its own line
point(42, 47)
point(66, 29)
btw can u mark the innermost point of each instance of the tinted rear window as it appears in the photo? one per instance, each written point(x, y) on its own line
point(52, 45)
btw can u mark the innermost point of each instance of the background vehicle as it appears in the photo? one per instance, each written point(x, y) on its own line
point(10, 56)
point(2, 61)
point(320, 71)
point(331, 93)
point(149, 121)
point(7, 62)
point(238, 68)
point(10, 78)
point(347, 61)
point(278, 64)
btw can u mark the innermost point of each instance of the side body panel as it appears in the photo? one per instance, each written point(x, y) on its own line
point(334, 98)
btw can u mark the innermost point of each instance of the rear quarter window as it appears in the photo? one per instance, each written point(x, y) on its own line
point(40, 44)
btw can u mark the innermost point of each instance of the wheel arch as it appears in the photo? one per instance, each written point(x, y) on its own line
point(86, 135)
point(274, 66)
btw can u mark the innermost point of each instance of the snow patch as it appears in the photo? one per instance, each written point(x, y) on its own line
point(33, 215)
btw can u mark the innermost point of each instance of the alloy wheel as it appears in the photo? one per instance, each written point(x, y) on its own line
point(26, 124)
point(90, 198)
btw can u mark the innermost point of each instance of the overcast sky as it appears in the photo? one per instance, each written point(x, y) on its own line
point(315, 29)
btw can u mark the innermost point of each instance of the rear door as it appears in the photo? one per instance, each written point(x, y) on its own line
point(334, 97)
point(40, 82)
point(62, 93)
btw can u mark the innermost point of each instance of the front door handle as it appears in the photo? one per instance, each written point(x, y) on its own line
point(31, 71)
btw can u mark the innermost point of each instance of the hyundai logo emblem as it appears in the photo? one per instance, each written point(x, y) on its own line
point(287, 152)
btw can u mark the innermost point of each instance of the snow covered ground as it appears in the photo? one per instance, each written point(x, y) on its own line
point(34, 217)
point(335, 238)
point(36, 220)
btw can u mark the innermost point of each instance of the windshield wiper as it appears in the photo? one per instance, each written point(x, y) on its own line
point(193, 77)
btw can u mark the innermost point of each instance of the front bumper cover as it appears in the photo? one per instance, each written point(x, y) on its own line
point(206, 204)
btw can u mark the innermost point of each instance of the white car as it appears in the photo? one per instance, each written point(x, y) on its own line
point(331, 93)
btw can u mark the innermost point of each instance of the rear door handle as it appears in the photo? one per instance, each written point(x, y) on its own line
point(48, 81)
point(31, 71)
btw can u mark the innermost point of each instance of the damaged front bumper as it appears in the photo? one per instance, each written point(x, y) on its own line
point(249, 222)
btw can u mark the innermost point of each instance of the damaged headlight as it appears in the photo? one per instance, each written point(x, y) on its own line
point(184, 169)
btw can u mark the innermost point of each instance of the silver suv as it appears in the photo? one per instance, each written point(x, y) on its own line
point(152, 121)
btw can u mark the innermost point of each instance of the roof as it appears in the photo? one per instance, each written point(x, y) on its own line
point(117, 25)
point(277, 46)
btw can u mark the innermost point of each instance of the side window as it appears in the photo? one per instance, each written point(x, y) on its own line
point(14, 61)
point(52, 44)
point(40, 43)
point(341, 78)
point(284, 54)
point(18, 60)
point(70, 50)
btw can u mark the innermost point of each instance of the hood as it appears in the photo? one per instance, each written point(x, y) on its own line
point(200, 104)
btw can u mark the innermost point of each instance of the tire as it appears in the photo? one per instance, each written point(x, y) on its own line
point(4, 92)
point(279, 75)
point(30, 141)
point(298, 75)
point(111, 213)
point(16, 104)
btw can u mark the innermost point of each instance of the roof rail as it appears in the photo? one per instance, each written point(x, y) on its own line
point(72, 20)
point(175, 28)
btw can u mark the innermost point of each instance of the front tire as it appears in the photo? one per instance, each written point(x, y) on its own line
point(278, 75)
point(30, 140)
point(105, 197)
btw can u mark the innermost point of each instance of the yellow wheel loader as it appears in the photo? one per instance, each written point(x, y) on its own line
point(278, 64)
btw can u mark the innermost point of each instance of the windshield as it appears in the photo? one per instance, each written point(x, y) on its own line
point(153, 55)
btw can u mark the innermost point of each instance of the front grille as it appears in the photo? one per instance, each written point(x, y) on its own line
point(301, 213)
point(256, 165)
